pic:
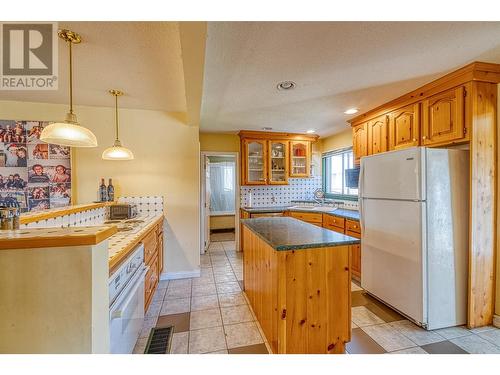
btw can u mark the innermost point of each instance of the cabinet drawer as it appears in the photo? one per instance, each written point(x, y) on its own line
point(333, 221)
point(310, 217)
point(150, 242)
point(353, 234)
point(352, 226)
point(150, 282)
point(268, 214)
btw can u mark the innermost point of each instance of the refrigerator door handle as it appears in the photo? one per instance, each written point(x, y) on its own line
point(360, 198)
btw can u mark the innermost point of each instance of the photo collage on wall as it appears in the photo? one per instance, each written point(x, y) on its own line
point(33, 175)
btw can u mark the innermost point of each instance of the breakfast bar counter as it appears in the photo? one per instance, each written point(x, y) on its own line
point(298, 280)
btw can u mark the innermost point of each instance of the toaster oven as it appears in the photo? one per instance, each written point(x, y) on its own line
point(122, 211)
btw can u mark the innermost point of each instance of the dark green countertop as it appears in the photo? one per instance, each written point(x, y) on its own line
point(340, 212)
point(286, 233)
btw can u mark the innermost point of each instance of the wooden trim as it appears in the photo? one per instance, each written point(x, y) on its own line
point(50, 214)
point(54, 237)
point(476, 71)
point(482, 218)
point(277, 136)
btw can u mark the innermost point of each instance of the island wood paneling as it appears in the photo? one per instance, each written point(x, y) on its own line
point(301, 298)
point(482, 204)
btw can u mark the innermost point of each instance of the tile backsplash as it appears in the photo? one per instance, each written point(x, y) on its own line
point(146, 205)
point(280, 195)
point(94, 216)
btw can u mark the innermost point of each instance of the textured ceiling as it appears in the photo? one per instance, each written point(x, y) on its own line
point(336, 65)
point(141, 58)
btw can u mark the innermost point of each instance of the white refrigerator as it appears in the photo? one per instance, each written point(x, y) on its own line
point(414, 224)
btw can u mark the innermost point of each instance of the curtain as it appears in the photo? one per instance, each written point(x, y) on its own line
point(222, 185)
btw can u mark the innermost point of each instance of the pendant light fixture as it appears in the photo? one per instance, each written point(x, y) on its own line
point(117, 151)
point(69, 132)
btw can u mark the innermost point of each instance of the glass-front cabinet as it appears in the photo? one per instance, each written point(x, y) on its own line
point(272, 158)
point(300, 158)
point(256, 167)
point(278, 162)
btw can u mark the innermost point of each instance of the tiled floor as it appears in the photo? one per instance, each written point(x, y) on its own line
point(210, 314)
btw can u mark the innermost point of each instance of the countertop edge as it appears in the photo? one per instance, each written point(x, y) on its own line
point(355, 241)
point(100, 234)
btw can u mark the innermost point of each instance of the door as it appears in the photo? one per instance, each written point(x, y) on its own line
point(393, 262)
point(255, 162)
point(278, 162)
point(404, 127)
point(360, 142)
point(377, 135)
point(300, 158)
point(394, 175)
point(443, 117)
point(206, 205)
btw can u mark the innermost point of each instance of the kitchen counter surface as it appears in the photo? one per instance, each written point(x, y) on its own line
point(340, 212)
point(55, 237)
point(285, 233)
point(122, 243)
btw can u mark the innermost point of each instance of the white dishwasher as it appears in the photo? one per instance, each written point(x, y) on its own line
point(126, 302)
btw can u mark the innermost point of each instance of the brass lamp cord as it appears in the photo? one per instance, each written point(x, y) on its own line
point(116, 116)
point(70, 77)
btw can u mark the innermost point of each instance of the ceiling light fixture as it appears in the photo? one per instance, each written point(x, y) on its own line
point(69, 132)
point(286, 85)
point(267, 128)
point(117, 151)
point(311, 131)
point(351, 111)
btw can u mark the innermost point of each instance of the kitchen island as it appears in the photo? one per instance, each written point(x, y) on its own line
point(298, 280)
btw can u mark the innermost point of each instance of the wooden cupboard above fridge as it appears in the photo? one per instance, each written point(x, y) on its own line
point(271, 158)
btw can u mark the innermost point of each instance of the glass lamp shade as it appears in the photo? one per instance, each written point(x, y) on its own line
point(68, 133)
point(117, 152)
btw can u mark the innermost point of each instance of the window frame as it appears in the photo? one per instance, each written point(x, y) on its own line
point(328, 195)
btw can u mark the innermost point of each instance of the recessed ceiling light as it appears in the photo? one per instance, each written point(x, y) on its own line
point(311, 131)
point(267, 128)
point(286, 85)
point(351, 111)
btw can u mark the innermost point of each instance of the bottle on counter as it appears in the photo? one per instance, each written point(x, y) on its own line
point(103, 191)
point(111, 191)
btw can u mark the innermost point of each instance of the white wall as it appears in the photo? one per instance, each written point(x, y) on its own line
point(166, 163)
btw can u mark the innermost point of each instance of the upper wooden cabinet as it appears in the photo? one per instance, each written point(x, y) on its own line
point(360, 141)
point(377, 135)
point(300, 158)
point(271, 158)
point(443, 118)
point(255, 165)
point(404, 127)
point(278, 162)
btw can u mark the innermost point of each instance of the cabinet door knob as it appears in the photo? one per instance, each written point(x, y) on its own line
point(414, 139)
point(424, 137)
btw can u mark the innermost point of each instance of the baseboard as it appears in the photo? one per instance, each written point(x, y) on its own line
point(180, 275)
point(496, 321)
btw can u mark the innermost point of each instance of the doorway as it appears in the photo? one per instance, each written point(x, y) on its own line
point(219, 198)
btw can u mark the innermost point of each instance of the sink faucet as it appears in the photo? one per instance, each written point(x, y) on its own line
point(273, 198)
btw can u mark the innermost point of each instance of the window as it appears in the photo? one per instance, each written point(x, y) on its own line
point(334, 177)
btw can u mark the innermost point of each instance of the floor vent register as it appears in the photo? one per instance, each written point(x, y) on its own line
point(160, 340)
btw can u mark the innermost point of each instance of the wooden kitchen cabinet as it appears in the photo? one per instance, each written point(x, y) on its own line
point(254, 162)
point(404, 127)
point(271, 158)
point(443, 118)
point(377, 135)
point(300, 158)
point(150, 282)
point(355, 261)
point(278, 156)
point(334, 223)
point(309, 217)
point(360, 142)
